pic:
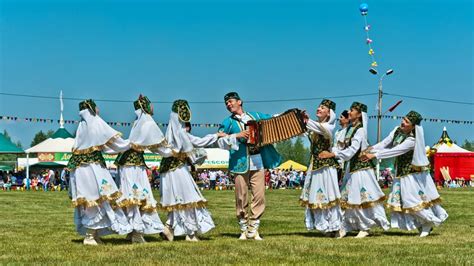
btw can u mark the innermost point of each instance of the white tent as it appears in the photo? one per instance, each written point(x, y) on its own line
point(60, 141)
point(53, 145)
point(216, 158)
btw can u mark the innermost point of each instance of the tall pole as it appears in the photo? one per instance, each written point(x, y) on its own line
point(379, 123)
point(379, 113)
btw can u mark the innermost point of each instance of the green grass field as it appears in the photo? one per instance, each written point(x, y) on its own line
point(37, 227)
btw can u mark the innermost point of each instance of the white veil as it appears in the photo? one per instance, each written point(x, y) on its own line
point(145, 132)
point(92, 133)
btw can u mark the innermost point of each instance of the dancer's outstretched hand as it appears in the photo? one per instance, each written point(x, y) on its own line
point(305, 116)
point(367, 157)
point(221, 134)
point(325, 155)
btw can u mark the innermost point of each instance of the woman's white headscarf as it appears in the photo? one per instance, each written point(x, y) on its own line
point(328, 127)
point(92, 133)
point(365, 143)
point(145, 132)
point(176, 135)
point(419, 154)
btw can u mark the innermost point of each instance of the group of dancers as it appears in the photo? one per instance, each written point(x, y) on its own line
point(101, 208)
point(358, 205)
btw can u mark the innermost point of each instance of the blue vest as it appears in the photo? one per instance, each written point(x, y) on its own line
point(239, 160)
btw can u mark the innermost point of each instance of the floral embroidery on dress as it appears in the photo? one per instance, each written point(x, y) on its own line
point(364, 195)
point(320, 196)
point(105, 187)
point(319, 144)
point(135, 191)
point(395, 197)
point(422, 196)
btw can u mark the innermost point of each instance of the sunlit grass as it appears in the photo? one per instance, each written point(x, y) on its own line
point(37, 227)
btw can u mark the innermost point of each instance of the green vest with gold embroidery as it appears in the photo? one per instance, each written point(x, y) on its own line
point(355, 164)
point(403, 162)
point(319, 144)
point(171, 163)
point(130, 158)
point(84, 159)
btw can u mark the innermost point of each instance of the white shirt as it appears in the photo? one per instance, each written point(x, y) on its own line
point(212, 175)
point(256, 162)
point(230, 142)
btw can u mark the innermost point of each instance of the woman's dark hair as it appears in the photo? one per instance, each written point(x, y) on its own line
point(188, 125)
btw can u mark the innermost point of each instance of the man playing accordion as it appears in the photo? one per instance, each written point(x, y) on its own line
point(247, 164)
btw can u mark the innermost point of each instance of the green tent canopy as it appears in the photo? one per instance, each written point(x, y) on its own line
point(62, 133)
point(6, 146)
point(6, 168)
point(48, 165)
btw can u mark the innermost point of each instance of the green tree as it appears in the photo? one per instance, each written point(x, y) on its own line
point(300, 153)
point(41, 136)
point(295, 151)
point(284, 148)
point(468, 145)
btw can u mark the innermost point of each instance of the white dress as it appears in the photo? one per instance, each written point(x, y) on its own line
point(181, 197)
point(361, 196)
point(96, 196)
point(321, 194)
point(414, 199)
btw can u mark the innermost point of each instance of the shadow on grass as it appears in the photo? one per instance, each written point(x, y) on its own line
point(398, 233)
point(305, 234)
point(148, 239)
point(321, 235)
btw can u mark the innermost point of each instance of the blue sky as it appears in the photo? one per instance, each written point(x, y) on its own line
point(199, 50)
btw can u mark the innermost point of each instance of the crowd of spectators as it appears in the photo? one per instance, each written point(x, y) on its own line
point(39, 180)
point(209, 179)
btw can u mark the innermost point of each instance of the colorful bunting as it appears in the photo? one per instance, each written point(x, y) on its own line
point(364, 11)
point(120, 124)
point(213, 125)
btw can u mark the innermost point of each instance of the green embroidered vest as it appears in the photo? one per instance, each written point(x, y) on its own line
point(171, 163)
point(319, 144)
point(403, 162)
point(355, 162)
point(86, 158)
point(130, 157)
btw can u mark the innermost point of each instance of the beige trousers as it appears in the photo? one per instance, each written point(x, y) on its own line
point(255, 182)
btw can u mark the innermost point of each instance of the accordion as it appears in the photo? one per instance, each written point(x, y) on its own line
point(285, 126)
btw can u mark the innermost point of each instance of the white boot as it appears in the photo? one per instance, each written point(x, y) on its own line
point(168, 233)
point(252, 231)
point(243, 229)
point(362, 234)
point(89, 239)
point(192, 238)
point(341, 233)
point(137, 238)
point(425, 230)
point(254, 235)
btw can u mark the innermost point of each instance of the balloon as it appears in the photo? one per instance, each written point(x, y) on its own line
point(364, 8)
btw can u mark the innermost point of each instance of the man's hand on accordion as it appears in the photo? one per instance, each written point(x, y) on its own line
point(325, 155)
point(243, 134)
